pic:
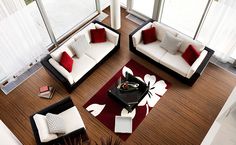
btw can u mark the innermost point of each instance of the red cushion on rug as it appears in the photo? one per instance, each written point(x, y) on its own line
point(98, 35)
point(149, 35)
point(66, 61)
point(190, 55)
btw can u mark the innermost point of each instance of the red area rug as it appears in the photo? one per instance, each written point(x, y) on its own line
point(104, 108)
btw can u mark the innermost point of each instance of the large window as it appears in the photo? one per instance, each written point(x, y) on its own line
point(219, 29)
point(183, 15)
point(29, 28)
point(63, 15)
point(23, 40)
point(143, 7)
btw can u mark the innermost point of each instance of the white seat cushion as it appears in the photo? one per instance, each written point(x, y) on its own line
point(81, 66)
point(72, 119)
point(153, 50)
point(175, 63)
point(99, 50)
point(186, 41)
point(41, 124)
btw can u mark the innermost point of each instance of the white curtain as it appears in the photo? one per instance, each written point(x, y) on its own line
point(219, 29)
point(20, 41)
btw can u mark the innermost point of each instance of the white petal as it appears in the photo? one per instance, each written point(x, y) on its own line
point(147, 108)
point(150, 78)
point(124, 112)
point(153, 100)
point(143, 101)
point(160, 88)
point(126, 69)
point(95, 109)
point(139, 78)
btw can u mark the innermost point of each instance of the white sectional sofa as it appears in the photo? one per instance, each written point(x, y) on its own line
point(87, 60)
point(173, 63)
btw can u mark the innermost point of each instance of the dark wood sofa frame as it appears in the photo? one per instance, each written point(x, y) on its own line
point(185, 80)
point(58, 76)
point(56, 109)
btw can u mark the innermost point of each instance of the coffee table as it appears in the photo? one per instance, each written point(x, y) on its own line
point(129, 99)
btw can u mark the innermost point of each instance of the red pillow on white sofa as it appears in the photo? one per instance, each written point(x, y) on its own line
point(66, 61)
point(149, 35)
point(98, 35)
point(190, 55)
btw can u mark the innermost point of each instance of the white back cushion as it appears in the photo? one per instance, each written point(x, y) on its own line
point(56, 55)
point(80, 45)
point(41, 124)
point(186, 41)
point(170, 43)
point(86, 32)
point(161, 29)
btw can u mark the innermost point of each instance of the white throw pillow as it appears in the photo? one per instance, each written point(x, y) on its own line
point(41, 124)
point(55, 123)
point(171, 43)
point(80, 45)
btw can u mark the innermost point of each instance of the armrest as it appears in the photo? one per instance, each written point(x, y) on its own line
point(58, 107)
point(111, 29)
point(197, 67)
point(137, 37)
point(111, 36)
point(196, 64)
point(52, 71)
point(61, 70)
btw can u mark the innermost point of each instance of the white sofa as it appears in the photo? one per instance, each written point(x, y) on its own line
point(87, 60)
point(65, 109)
point(171, 62)
point(7, 137)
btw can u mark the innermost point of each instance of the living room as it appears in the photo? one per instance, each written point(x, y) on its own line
point(187, 109)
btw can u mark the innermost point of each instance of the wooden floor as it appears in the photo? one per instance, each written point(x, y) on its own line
point(183, 115)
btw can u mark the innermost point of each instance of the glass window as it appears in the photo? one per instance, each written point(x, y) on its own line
point(183, 15)
point(64, 15)
point(143, 7)
point(123, 3)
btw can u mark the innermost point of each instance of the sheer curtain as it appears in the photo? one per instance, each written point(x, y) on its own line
point(20, 42)
point(219, 29)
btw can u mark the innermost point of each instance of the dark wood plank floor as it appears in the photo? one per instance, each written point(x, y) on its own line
point(182, 116)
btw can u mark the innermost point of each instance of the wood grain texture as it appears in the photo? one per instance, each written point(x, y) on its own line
point(182, 116)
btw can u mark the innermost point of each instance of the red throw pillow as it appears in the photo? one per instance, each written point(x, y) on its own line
point(98, 35)
point(149, 35)
point(190, 55)
point(66, 61)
